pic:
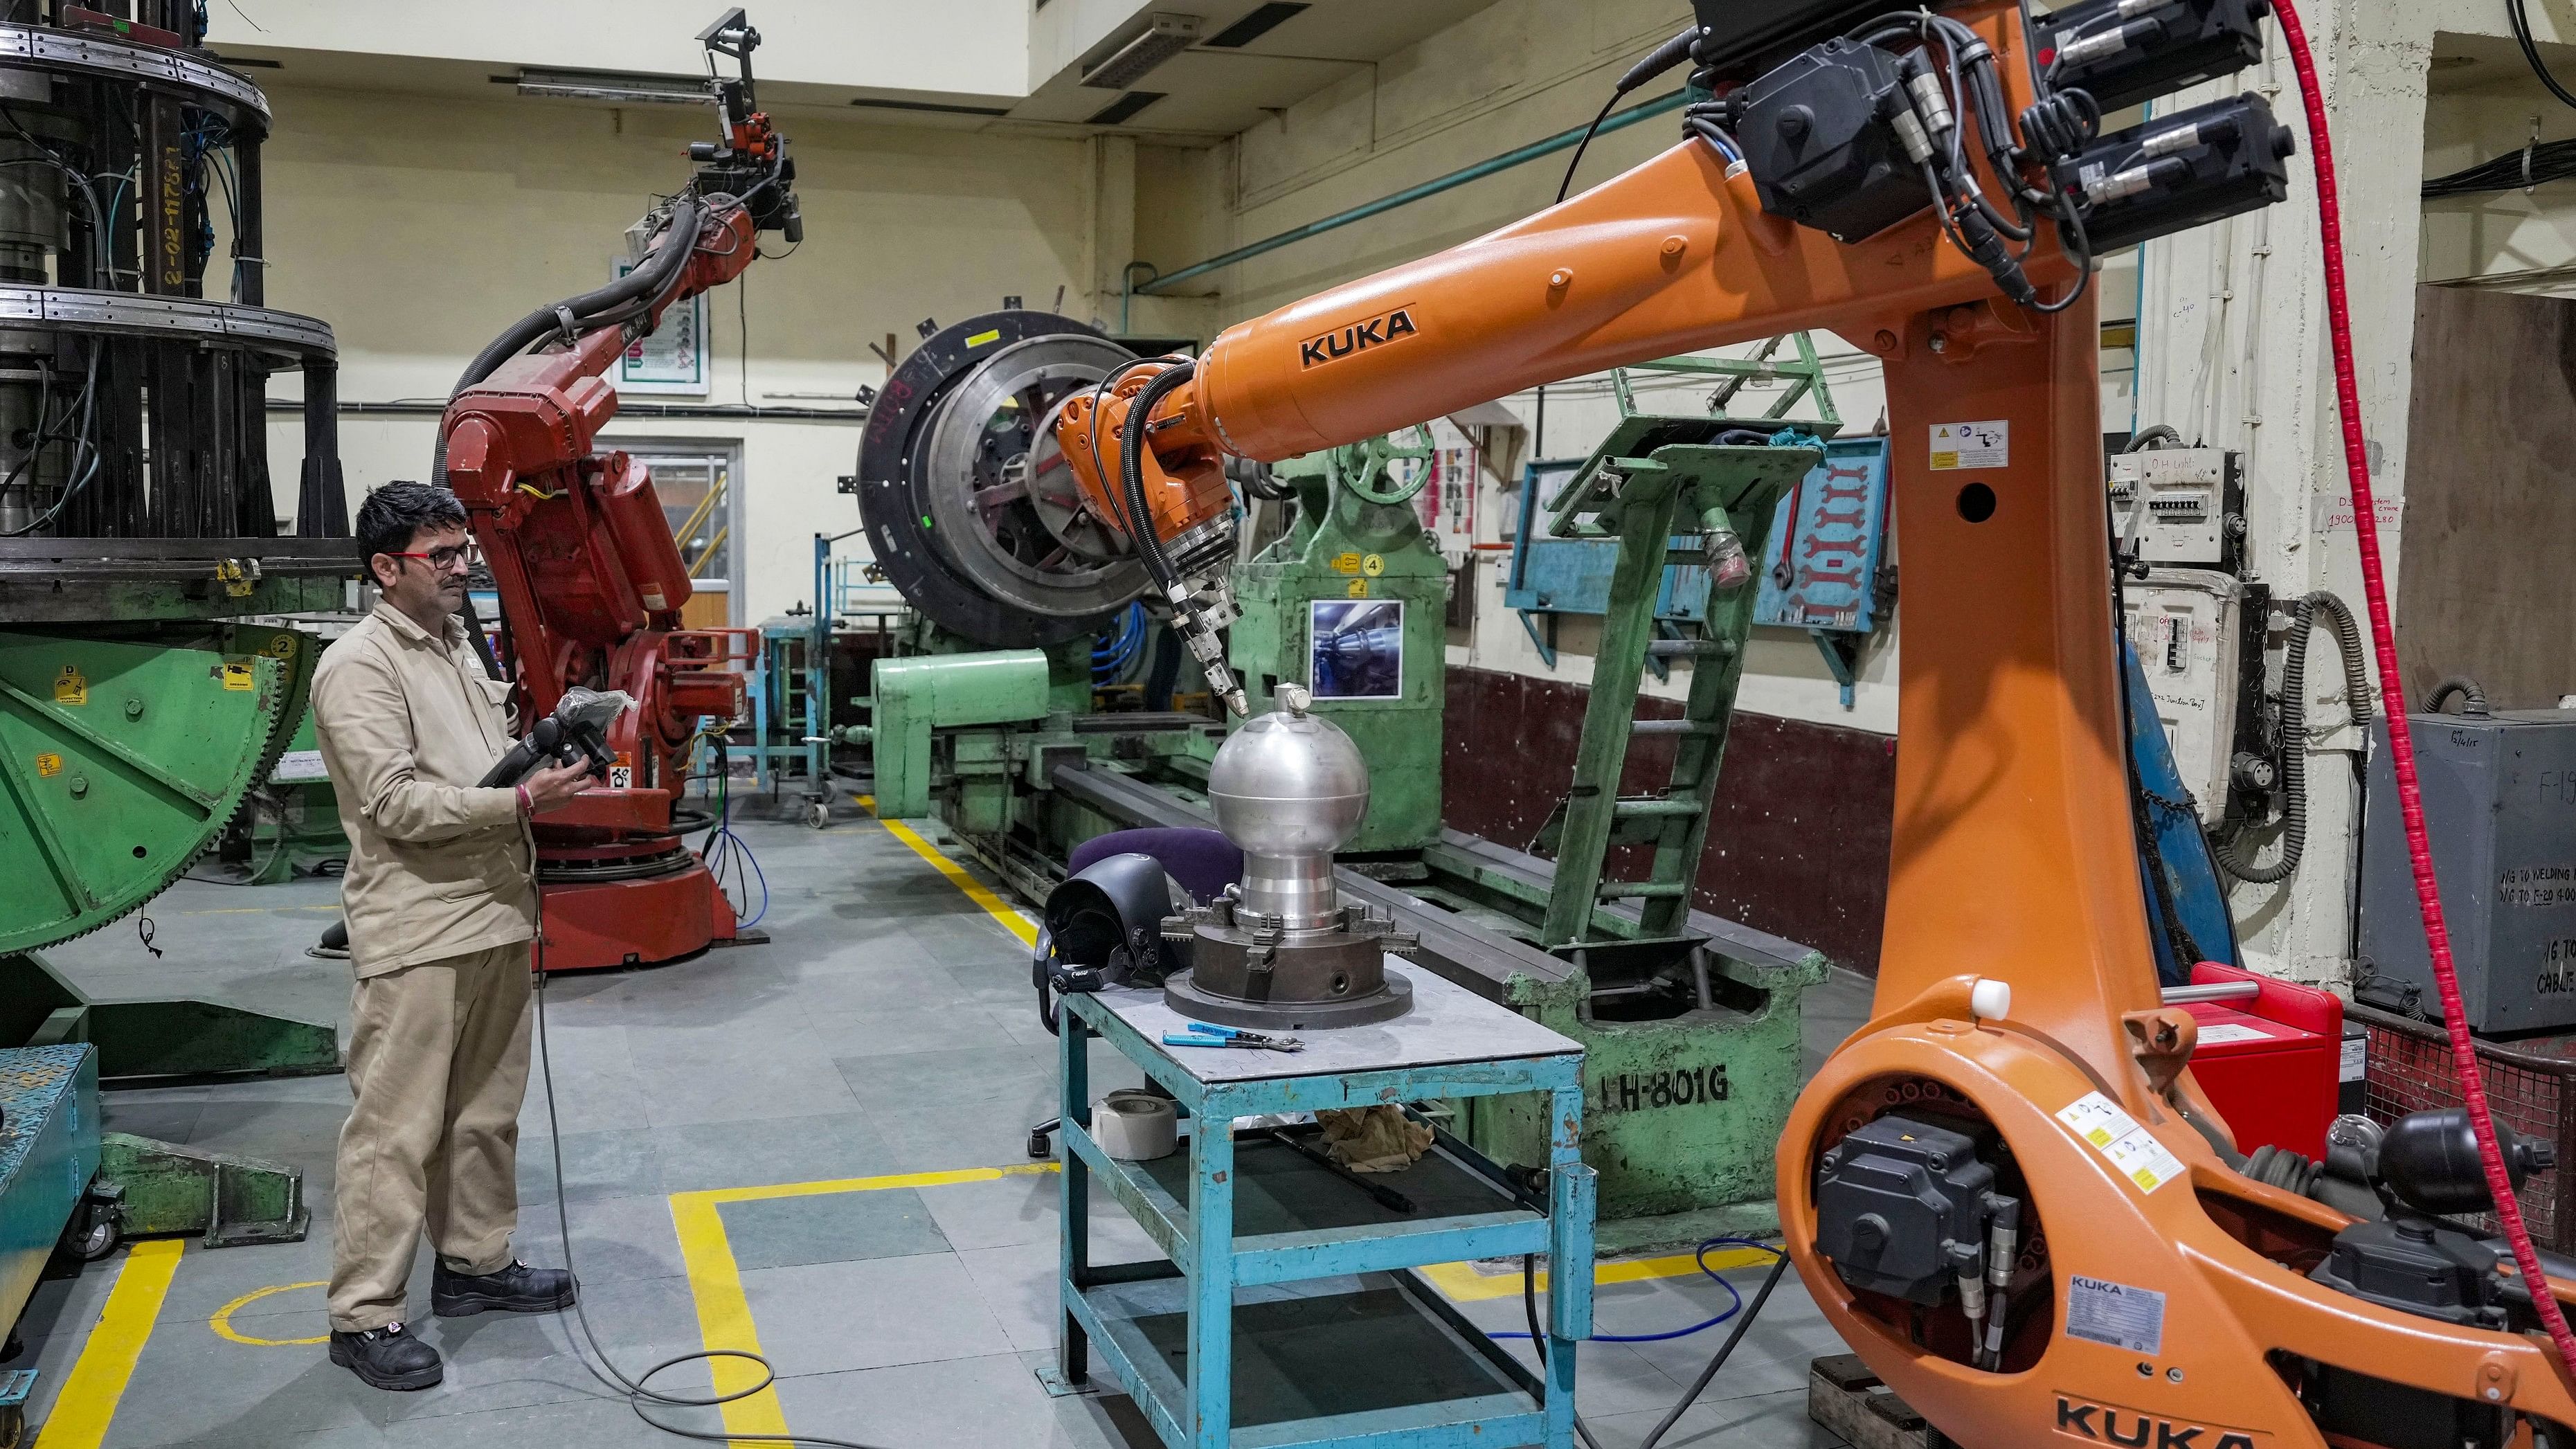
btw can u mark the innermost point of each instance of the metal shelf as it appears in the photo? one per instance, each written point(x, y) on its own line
point(1216, 1351)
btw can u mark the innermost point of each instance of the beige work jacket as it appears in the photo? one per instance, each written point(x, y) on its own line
point(438, 866)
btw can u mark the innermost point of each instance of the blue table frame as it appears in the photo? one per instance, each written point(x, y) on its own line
point(1193, 1409)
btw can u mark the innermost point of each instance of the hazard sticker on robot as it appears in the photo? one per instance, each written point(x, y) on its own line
point(1957, 446)
point(2132, 1149)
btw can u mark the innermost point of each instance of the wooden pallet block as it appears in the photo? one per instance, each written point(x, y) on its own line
point(1845, 1397)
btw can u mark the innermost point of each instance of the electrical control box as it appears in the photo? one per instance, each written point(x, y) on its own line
point(2194, 515)
point(2188, 628)
point(2499, 797)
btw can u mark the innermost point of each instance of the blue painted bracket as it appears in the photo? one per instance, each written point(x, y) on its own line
point(1821, 564)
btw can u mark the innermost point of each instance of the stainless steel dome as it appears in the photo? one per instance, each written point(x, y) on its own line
point(1288, 782)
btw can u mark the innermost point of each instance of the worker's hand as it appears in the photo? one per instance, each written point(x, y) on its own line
point(555, 784)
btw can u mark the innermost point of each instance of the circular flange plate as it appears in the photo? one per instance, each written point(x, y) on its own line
point(986, 470)
point(904, 536)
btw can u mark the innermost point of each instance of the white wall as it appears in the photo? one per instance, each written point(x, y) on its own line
point(966, 47)
point(419, 227)
point(2234, 351)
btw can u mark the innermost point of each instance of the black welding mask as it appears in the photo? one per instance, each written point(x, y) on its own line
point(1104, 927)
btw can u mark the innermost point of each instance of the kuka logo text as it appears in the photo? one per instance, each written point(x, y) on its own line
point(1358, 337)
point(2128, 1427)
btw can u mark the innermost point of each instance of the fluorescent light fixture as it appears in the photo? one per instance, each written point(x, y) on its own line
point(1165, 35)
point(624, 89)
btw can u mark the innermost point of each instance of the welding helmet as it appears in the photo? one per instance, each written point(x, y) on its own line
point(1104, 927)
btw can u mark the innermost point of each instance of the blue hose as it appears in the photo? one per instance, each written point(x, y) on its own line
point(1112, 658)
point(1734, 1306)
point(723, 845)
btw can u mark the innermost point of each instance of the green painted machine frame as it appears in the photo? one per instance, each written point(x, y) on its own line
point(136, 718)
point(1356, 542)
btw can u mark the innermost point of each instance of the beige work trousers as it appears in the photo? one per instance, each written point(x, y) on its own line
point(438, 1061)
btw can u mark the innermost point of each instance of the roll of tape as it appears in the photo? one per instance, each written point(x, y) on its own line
point(1135, 1126)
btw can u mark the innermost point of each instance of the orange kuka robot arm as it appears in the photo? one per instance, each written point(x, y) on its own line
point(2017, 1007)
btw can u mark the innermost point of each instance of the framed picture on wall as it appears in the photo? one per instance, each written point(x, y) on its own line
point(1358, 648)
point(674, 358)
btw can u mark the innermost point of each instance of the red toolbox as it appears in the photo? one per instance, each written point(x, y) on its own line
point(2269, 1059)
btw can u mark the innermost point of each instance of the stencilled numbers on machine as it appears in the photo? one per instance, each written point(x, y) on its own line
point(1666, 1087)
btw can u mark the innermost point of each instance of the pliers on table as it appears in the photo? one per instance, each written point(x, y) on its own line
point(1202, 1034)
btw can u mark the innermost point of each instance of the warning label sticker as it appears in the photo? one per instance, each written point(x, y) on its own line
point(2218, 1033)
point(2116, 1314)
point(1957, 446)
point(298, 767)
point(2131, 1149)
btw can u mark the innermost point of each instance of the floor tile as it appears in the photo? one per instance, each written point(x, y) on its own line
point(596, 1165)
point(765, 1152)
point(971, 1403)
point(831, 1227)
point(830, 1317)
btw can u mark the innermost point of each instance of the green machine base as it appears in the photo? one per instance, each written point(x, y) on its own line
point(225, 1199)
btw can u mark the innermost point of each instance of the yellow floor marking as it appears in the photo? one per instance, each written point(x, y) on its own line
point(724, 1317)
point(715, 1278)
point(1461, 1283)
point(87, 1402)
point(1012, 918)
point(222, 1321)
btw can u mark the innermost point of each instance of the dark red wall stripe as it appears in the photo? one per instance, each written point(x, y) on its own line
point(1798, 845)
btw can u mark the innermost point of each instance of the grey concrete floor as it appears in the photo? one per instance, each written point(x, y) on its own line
point(887, 1029)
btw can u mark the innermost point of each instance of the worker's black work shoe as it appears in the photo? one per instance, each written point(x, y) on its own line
point(387, 1357)
point(517, 1288)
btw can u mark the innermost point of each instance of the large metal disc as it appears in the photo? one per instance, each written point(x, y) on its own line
point(989, 477)
point(948, 579)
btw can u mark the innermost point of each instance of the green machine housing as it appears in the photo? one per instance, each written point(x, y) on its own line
point(1352, 602)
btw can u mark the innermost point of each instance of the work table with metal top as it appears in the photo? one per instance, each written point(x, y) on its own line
point(1238, 1215)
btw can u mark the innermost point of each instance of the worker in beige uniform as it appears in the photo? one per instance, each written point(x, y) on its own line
point(441, 900)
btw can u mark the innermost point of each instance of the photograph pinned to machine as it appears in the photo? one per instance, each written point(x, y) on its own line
point(673, 356)
point(1357, 648)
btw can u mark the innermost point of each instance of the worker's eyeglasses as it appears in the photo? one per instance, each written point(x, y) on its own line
point(442, 560)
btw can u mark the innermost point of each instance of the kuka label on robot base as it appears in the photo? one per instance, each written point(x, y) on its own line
point(2131, 1149)
point(2115, 1313)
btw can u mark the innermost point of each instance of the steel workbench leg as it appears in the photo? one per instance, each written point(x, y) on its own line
point(1570, 1197)
point(1073, 1047)
point(1211, 1270)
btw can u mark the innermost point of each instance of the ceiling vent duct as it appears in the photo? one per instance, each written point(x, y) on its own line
point(1164, 36)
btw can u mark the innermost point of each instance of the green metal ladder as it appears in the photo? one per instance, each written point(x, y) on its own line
point(1652, 474)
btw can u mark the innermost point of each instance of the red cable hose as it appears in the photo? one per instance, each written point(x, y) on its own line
point(2401, 743)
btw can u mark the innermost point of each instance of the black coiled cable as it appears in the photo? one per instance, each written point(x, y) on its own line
point(1131, 472)
point(2294, 736)
point(2059, 124)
